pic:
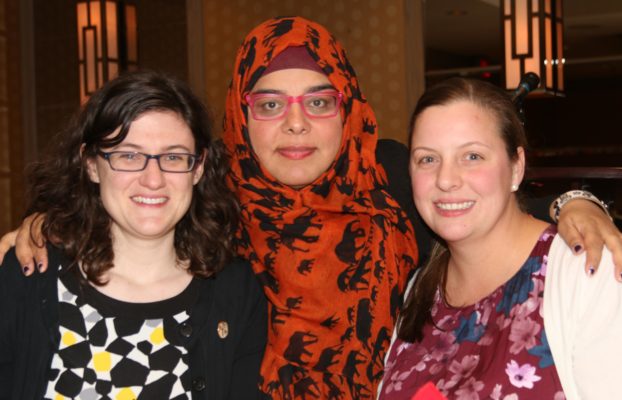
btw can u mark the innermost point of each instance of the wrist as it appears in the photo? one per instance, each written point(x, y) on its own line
point(565, 198)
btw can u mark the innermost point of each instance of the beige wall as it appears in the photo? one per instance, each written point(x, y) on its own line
point(377, 35)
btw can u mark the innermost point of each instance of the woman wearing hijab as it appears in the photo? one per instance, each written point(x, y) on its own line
point(329, 244)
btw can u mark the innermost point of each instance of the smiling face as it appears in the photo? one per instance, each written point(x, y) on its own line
point(147, 204)
point(295, 149)
point(460, 170)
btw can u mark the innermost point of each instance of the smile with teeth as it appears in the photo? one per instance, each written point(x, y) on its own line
point(455, 206)
point(149, 200)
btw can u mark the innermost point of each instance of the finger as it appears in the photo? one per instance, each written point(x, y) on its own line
point(587, 239)
point(593, 251)
point(614, 244)
point(571, 235)
point(37, 244)
point(617, 260)
point(23, 251)
point(6, 243)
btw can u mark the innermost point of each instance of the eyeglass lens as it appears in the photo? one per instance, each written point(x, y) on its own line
point(169, 162)
point(272, 106)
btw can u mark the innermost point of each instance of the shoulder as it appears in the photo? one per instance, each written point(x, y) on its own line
point(12, 279)
point(572, 297)
point(390, 152)
point(566, 268)
point(238, 278)
point(583, 322)
point(238, 269)
point(11, 271)
point(13, 283)
point(393, 157)
point(391, 146)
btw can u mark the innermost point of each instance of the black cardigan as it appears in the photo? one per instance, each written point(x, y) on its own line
point(220, 368)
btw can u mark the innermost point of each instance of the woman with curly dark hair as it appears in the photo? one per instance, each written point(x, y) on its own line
point(137, 302)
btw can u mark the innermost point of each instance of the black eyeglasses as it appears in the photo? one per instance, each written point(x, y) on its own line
point(133, 161)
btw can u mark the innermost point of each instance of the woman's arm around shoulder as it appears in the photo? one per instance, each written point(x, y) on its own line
point(583, 322)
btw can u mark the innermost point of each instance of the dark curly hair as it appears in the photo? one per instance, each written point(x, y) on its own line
point(416, 311)
point(75, 218)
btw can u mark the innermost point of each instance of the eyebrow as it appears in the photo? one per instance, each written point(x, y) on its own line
point(137, 148)
point(473, 143)
point(311, 89)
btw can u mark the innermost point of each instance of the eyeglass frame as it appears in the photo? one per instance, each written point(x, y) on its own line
point(251, 98)
point(106, 156)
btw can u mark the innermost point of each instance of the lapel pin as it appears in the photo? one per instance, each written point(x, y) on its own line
point(223, 329)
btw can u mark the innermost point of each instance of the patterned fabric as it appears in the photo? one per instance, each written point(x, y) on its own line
point(494, 349)
point(117, 357)
point(334, 256)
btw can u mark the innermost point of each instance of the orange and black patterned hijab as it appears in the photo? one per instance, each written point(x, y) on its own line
point(333, 256)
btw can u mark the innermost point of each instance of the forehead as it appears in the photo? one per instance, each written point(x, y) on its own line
point(159, 128)
point(292, 81)
point(456, 122)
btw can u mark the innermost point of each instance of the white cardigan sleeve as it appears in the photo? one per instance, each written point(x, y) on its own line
point(583, 322)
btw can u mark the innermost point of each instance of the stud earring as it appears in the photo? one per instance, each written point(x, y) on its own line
point(514, 187)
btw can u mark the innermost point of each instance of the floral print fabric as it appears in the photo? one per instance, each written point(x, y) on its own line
point(494, 349)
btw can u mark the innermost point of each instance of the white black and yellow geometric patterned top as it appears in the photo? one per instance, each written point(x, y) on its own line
point(115, 350)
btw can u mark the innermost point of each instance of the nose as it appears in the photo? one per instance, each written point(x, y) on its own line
point(152, 176)
point(295, 120)
point(448, 177)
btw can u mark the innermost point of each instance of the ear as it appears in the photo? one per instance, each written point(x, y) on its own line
point(199, 169)
point(91, 166)
point(518, 168)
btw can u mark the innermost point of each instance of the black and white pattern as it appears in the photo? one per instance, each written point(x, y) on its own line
point(116, 357)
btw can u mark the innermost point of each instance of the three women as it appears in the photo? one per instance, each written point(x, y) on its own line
point(322, 224)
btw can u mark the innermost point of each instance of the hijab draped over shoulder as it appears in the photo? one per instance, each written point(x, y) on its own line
point(333, 256)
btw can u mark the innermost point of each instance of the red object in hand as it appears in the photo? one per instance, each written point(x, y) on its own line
point(428, 392)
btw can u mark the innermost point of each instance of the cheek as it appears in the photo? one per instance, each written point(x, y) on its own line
point(491, 180)
point(259, 138)
point(109, 184)
point(420, 186)
point(333, 136)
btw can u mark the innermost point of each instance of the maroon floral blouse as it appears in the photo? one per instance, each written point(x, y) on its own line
point(494, 349)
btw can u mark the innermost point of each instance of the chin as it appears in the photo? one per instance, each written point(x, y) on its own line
point(452, 234)
point(295, 182)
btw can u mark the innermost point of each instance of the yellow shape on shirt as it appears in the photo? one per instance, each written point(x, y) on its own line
point(102, 361)
point(157, 336)
point(126, 394)
point(59, 397)
point(69, 338)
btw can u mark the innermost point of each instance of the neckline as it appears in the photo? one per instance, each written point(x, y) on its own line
point(543, 239)
point(110, 307)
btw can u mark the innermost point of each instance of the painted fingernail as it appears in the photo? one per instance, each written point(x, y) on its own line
point(39, 266)
point(591, 270)
point(26, 269)
point(577, 248)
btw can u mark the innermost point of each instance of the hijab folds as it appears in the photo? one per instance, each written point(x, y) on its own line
point(333, 257)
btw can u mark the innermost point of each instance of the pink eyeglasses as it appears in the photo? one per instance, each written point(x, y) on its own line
point(269, 106)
